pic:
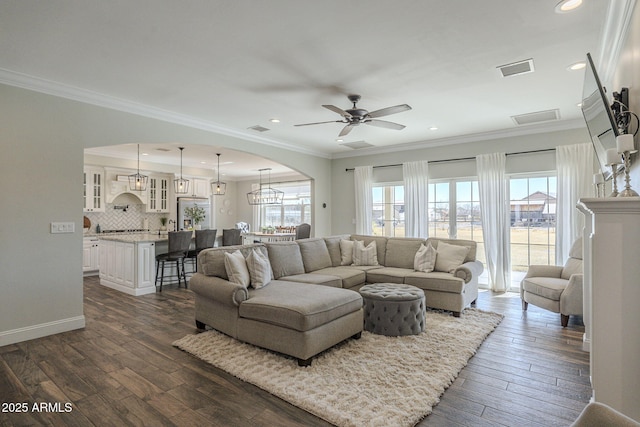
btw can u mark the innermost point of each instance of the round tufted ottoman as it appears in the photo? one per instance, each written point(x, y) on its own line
point(393, 309)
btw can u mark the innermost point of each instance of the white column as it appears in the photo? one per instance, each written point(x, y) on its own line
point(613, 264)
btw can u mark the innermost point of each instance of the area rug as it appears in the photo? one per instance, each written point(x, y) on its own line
point(373, 381)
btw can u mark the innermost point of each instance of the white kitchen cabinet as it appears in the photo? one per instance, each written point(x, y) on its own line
point(128, 267)
point(200, 187)
point(93, 187)
point(158, 194)
point(90, 256)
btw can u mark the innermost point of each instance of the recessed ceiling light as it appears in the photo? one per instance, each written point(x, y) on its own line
point(145, 154)
point(339, 140)
point(568, 5)
point(579, 105)
point(433, 128)
point(203, 163)
point(274, 120)
point(577, 66)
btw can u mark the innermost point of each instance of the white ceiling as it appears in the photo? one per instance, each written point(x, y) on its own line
point(230, 65)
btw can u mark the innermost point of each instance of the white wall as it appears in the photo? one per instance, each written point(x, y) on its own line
point(40, 182)
point(343, 211)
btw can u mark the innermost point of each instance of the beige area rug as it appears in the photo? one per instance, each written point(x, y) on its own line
point(373, 381)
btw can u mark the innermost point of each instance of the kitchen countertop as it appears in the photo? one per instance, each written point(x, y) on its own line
point(133, 237)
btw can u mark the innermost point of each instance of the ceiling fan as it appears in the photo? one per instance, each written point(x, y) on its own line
point(355, 116)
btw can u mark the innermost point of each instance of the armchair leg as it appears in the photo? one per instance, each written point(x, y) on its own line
point(525, 305)
point(564, 319)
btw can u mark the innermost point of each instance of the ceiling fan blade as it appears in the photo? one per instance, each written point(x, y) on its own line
point(385, 124)
point(389, 110)
point(346, 129)
point(337, 110)
point(320, 123)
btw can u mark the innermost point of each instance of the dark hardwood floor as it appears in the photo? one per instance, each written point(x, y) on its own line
point(122, 370)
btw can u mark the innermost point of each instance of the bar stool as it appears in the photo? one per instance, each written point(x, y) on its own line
point(231, 236)
point(204, 239)
point(179, 242)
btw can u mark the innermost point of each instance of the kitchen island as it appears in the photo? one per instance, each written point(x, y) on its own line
point(127, 261)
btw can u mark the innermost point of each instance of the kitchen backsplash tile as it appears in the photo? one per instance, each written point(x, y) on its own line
point(117, 219)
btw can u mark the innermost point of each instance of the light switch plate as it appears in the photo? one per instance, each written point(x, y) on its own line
point(63, 227)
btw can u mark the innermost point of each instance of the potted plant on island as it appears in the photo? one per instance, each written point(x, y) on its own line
point(163, 223)
point(196, 213)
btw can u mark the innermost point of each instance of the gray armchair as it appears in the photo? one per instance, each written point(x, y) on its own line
point(556, 288)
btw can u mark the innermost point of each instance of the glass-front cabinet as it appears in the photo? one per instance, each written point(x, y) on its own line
point(158, 194)
point(93, 189)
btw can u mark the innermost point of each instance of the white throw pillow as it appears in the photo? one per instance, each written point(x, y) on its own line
point(236, 267)
point(259, 269)
point(450, 257)
point(365, 255)
point(346, 252)
point(425, 259)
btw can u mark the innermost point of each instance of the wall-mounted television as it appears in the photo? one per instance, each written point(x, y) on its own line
point(598, 116)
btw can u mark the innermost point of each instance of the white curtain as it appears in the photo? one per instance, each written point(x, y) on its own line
point(363, 180)
point(495, 213)
point(416, 185)
point(574, 164)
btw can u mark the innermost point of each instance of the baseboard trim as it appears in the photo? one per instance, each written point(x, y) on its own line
point(41, 330)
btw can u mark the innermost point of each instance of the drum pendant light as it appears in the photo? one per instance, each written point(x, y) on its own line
point(138, 182)
point(181, 185)
point(218, 188)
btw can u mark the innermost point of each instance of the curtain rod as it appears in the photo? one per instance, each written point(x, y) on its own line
point(458, 159)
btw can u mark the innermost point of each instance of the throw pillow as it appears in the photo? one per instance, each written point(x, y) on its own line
point(236, 267)
point(259, 269)
point(365, 255)
point(425, 259)
point(346, 252)
point(450, 257)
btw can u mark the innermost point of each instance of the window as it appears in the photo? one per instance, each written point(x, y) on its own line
point(533, 223)
point(388, 211)
point(295, 208)
point(462, 198)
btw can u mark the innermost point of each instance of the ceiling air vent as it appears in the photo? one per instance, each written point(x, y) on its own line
point(258, 128)
point(537, 117)
point(520, 67)
point(356, 144)
point(163, 149)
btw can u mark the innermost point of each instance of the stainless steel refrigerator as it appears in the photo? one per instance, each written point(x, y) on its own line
point(184, 222)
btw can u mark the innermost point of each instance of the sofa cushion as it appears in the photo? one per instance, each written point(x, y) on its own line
point(425, 259)
point(388, 275)
point(259, 269)
point(435, 281)
point(472, 245)
point(546, 287)
point(381, 245)
point(211, 260)
point(333, 246)
point(286, 259)
point(236, 266)
point(315, 254)
point(350, 276)
point(365, 255)
point(450, 257)
point(301, 308)
point(400, 252)
point(315, 279)
point(346, 252)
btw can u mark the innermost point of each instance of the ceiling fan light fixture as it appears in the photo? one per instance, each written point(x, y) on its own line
point(218, 188)
point(137, 181)
point(181, 185)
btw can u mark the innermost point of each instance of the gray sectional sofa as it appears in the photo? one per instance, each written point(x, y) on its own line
point(292, 316)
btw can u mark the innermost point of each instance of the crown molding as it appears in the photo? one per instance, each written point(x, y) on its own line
point(614, 34)
point(463, 139)
point(25, 81)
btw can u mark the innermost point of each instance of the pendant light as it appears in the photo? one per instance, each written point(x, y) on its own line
point(265, 196)
point(181, 185)
point(138, 182)
point(218, 188)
